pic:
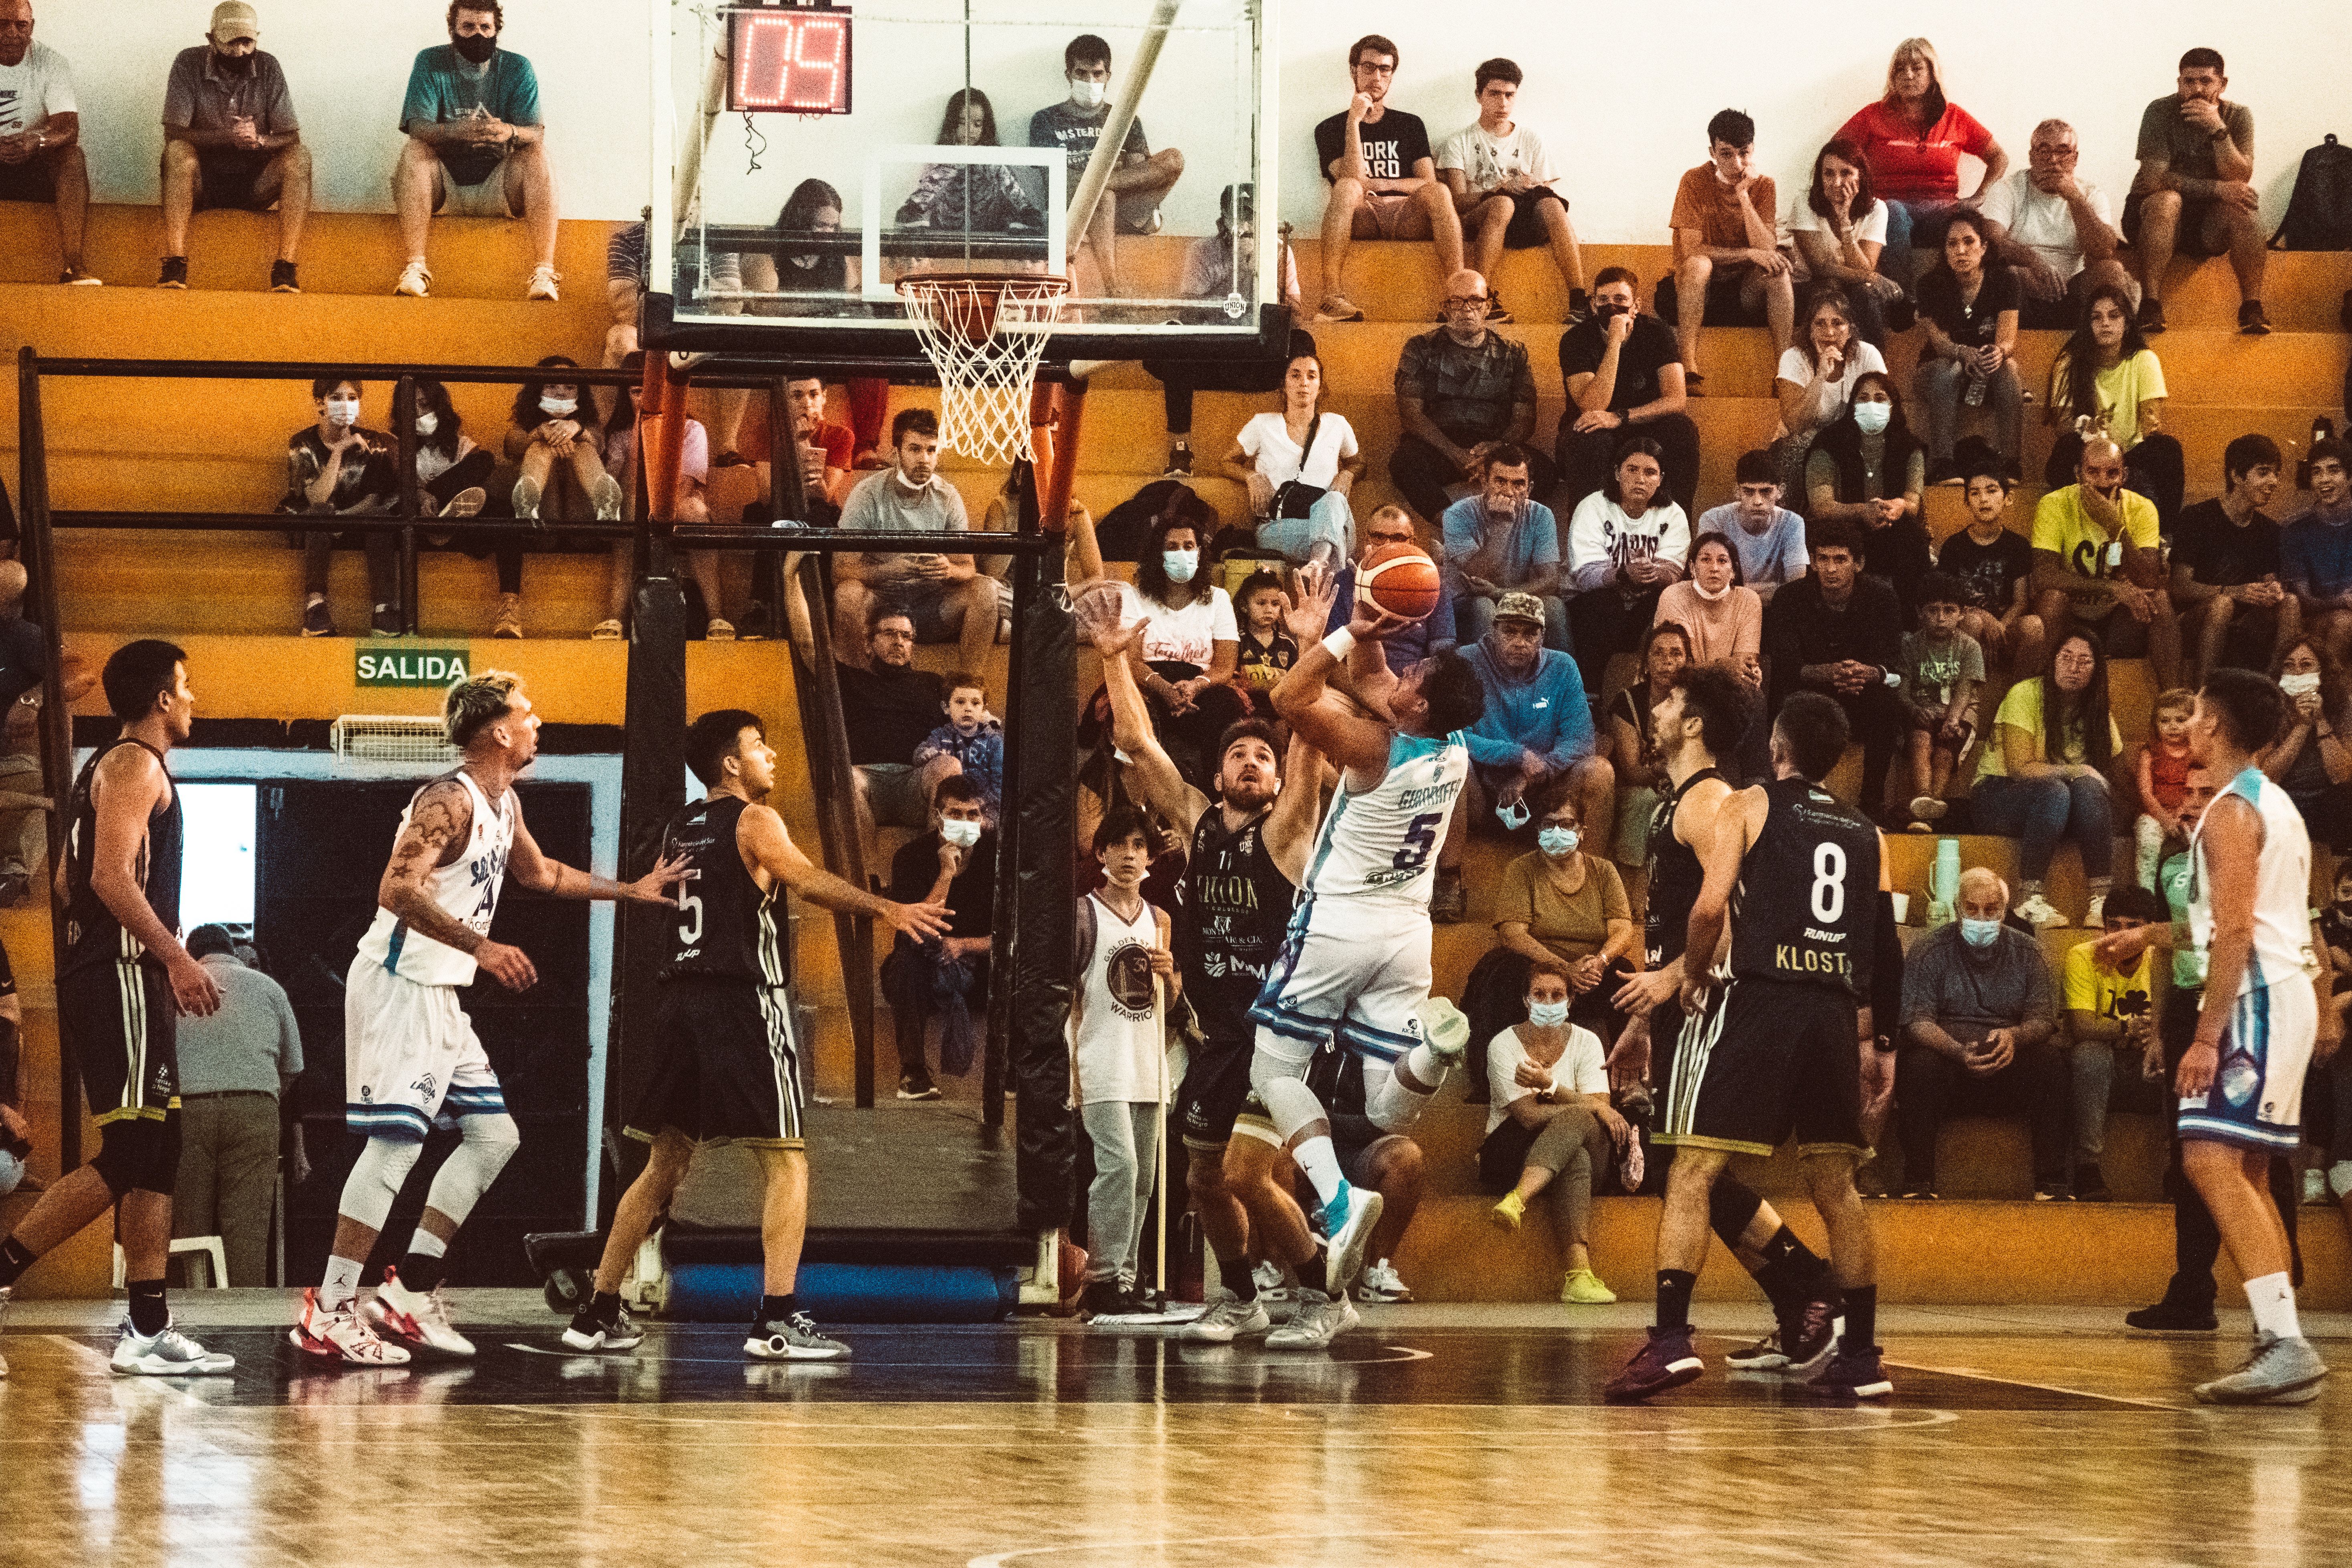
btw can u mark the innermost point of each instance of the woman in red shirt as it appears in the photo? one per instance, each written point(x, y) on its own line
point(1914, 138)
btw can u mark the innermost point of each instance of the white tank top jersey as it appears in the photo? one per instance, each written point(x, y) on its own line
point(1380, 847)
point(2282, 950)
point(1116, 1048)
point(468, 889)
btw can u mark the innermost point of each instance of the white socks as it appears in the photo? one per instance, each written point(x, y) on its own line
point(1293, 1108)
point(341, 1286)
point(2272, 1300)
point(425, 1244)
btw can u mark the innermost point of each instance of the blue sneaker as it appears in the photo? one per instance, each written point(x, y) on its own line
point(1348, 1221)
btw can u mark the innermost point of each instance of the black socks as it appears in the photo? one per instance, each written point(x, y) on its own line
point(1234, 1274)
point(1861, 1334)
point(776, 1309)
point(420, 1273)
point(150, 1313)
point(14, 1258)
point(1793, 1274)
point(1311, 1275)
point(1674, 1287)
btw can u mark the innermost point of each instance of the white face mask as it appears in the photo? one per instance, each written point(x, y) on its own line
point(561, 407)
point(1547, 1014)
point(1181, 564)
point(1872, 417)
point(1710, 596)
point(962, 834)
point(1088, 94)
point(427, 423)
point(2301, 685)
point(12, 1172)
point(343, 411)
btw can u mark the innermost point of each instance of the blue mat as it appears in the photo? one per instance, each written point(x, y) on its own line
point(849, 1293)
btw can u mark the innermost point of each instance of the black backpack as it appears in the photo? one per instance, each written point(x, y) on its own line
point(2319, 213)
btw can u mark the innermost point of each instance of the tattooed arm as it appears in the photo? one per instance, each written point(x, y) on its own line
point(435, 837)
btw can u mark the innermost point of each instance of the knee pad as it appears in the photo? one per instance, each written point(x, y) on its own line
point(488, 1142)
point(139, 1152)
point(375, 1179)
point(493, 1136)
point(1731, 1208)
point(1278, 1057)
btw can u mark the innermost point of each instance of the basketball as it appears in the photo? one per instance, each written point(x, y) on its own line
point(1400, 579)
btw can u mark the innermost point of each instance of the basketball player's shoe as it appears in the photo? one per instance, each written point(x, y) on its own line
point(1798, 1348)
point(1228, 1318)
point(1382, 1285)
point(417, 1319)
point(1319, 1320)
point(1348, 1221)
point(1666, 1362)
point(1446, 1029)
point(340, 1336)
point(166, 1353)
point(592, 1331)
point(7, 1293)
point(2278, 1372)
point(792, 1338)
point(1852, 1374)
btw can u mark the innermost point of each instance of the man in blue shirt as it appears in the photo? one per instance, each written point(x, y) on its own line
point(1499, 542)
point(2315, 551)
point(1403, 649)
point(477, 146)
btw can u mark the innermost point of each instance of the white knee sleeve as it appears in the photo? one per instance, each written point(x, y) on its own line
point(1278, 1057)
point(488, 1142)
point(375, 1179)
point(2340, 1177)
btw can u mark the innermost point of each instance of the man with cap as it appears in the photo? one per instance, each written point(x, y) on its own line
point(233, 1067)
point(40, 135)
point(230, 140)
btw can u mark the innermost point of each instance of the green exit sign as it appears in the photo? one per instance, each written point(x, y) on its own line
point(415, 666)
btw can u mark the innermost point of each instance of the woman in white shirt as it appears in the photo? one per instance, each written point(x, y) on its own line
point(452, 476)
point(1299, 466)
point(1838, 226)
point(1191, 645)
point(1550, 1128)
point(1815, 382)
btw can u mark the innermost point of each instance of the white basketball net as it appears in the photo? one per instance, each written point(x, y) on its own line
point(985, 337)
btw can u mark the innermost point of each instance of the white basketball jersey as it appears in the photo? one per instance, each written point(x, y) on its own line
point(1380, 847)
point(1117, 1045)
point(466, 888)
point(2282, 950)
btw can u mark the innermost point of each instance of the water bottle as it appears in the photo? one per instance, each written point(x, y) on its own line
point(1944, 883)
point(1973, 393)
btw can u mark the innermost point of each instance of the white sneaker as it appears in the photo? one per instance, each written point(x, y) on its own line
point(1382, 1286)
point(340, 1336)
point(419, 1319)
point(468, 502)
point(169, 1353)
point(1320, 1320)
point(2094, 914)
point(1228, 1316)
point(2038, 910)
point(1273, 1287)
point(416, 281)
point(2315, 1191)
point(1347, 1222)
point(543, 280)
point(526, 499)
point(608, 498)
point(1446, 1030)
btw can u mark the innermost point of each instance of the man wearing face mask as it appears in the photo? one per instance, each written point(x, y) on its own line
point(230, 140)
point(1138, 181)
point(477, 145)
point(1980, 1023)
point(338, 467)
point(954, 864)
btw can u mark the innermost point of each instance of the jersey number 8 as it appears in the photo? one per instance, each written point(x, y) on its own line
point(1829, 883)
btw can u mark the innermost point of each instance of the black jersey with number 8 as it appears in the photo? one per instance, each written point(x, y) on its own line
point(1806, 903)
point(725, 927)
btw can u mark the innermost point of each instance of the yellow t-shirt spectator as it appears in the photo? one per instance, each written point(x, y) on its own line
point(2122, 388)
point(2092, 987)
point(2062, 527)
point(2022, 709)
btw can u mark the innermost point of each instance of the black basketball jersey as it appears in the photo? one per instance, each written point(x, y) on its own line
point(1805, 908)
point(1233, 906)
point(726, 925)
point(93, 936)
point(1675, 876)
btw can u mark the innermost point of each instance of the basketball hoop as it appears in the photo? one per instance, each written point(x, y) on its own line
point(984, 333)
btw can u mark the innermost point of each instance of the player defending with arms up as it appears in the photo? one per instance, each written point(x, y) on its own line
point(1355, 960)
point(1770, 1048)
point(409, 1050)
point(2263, 1022)
point(729, 1070)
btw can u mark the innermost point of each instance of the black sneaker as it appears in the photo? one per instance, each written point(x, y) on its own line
point(2052, 1192)
point(1104, 1298)
point(2091, 1185)
point(917, 1085)
point(591, 1331)
point(175, 274)
point(1852, 1374)
point(2171, 1317)
point(281, 279)
point(792, 1338)
point(2151, 316)
point(1921, 1193)
point(1579, 306)
point(1180, 464)
point(2253, 320)
point(387, 621)
point(757, 623)
point(317, 620)
point(1666, 1362)
point(1808, 1338)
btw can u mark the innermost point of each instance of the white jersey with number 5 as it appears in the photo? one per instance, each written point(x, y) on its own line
point(1380, 847)
point(466, 888)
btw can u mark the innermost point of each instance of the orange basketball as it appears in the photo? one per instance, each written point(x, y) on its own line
point(1400, 579)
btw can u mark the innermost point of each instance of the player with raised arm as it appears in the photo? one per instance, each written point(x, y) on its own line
point(409, 1050)
point(122, 981)
point(730, 1071)
point(1246, 855)
point(2263, 1022)
point(1355, 962)
point(1770, 1047)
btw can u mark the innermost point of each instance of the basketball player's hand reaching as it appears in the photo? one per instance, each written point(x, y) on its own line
point(191, 987)
point(1312, 592)
point(918, 920)
point(1645, 991)
point(509, 966)
point(1374, 622)
point(653, 887)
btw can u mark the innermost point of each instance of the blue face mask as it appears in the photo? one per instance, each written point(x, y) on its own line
point(1181, 564)
point(1547, 1014)
point(1558, 840)
point(1515, 816)
point(1979, 933)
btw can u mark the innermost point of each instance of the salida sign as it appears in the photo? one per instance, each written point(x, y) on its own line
point(433, 667)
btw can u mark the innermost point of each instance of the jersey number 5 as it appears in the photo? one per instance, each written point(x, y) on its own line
point(1829, 883)
point(1419, 841)
point(689, 930)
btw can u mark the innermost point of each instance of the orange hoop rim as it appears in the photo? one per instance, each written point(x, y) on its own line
point(929, 293)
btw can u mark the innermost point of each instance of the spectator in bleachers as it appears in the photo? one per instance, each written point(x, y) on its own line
point(1633, 750)
point(625, 297)
point(1625, 545)
point(1191, 647)
point(1383, 179)
point(1914, 137)
point(1838, 226)
point(453, 476)
point(41, 158)
point(1768, 537)
point(1979, 1028)
point(1139, 178)
point(971, 198)
point(2110, 1011)
point(1564, 903)
point(1550, 1128)
point(954, 864)
point(1505, 185)
point(2107, 380)
point(1267, 651)
point(1994, 567)
point(620, 438)
point(2044, 776)
point(2164, 769)
point(24, 667)
point(1815, 379)
point(1725, 620)
point(826, 452)
point(2193, 193)
point(1499, 542)
point(2225, 566)
point(230, 140)
point(1942, 669)
point(1970, 310)
point(475, 145)
point(1433, 634)
point(948, 596)
point(1727, 252)
point(2310, 759)
point(1840, 632)
point(2056, 233)
point(2315, 551)
point(2096, 549)
point(1457, 388)
point(973, 736)
point(1298, 466)
point(339, 468)
point(1622, 373)
point(1214, 267)
point(562, 453)
point(1867, 470)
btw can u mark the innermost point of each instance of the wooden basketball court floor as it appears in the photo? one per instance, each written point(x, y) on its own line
point(1434, 1435)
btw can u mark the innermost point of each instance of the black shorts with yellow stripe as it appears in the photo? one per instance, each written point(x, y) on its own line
point(1767, 1060)
point(118, 1021)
